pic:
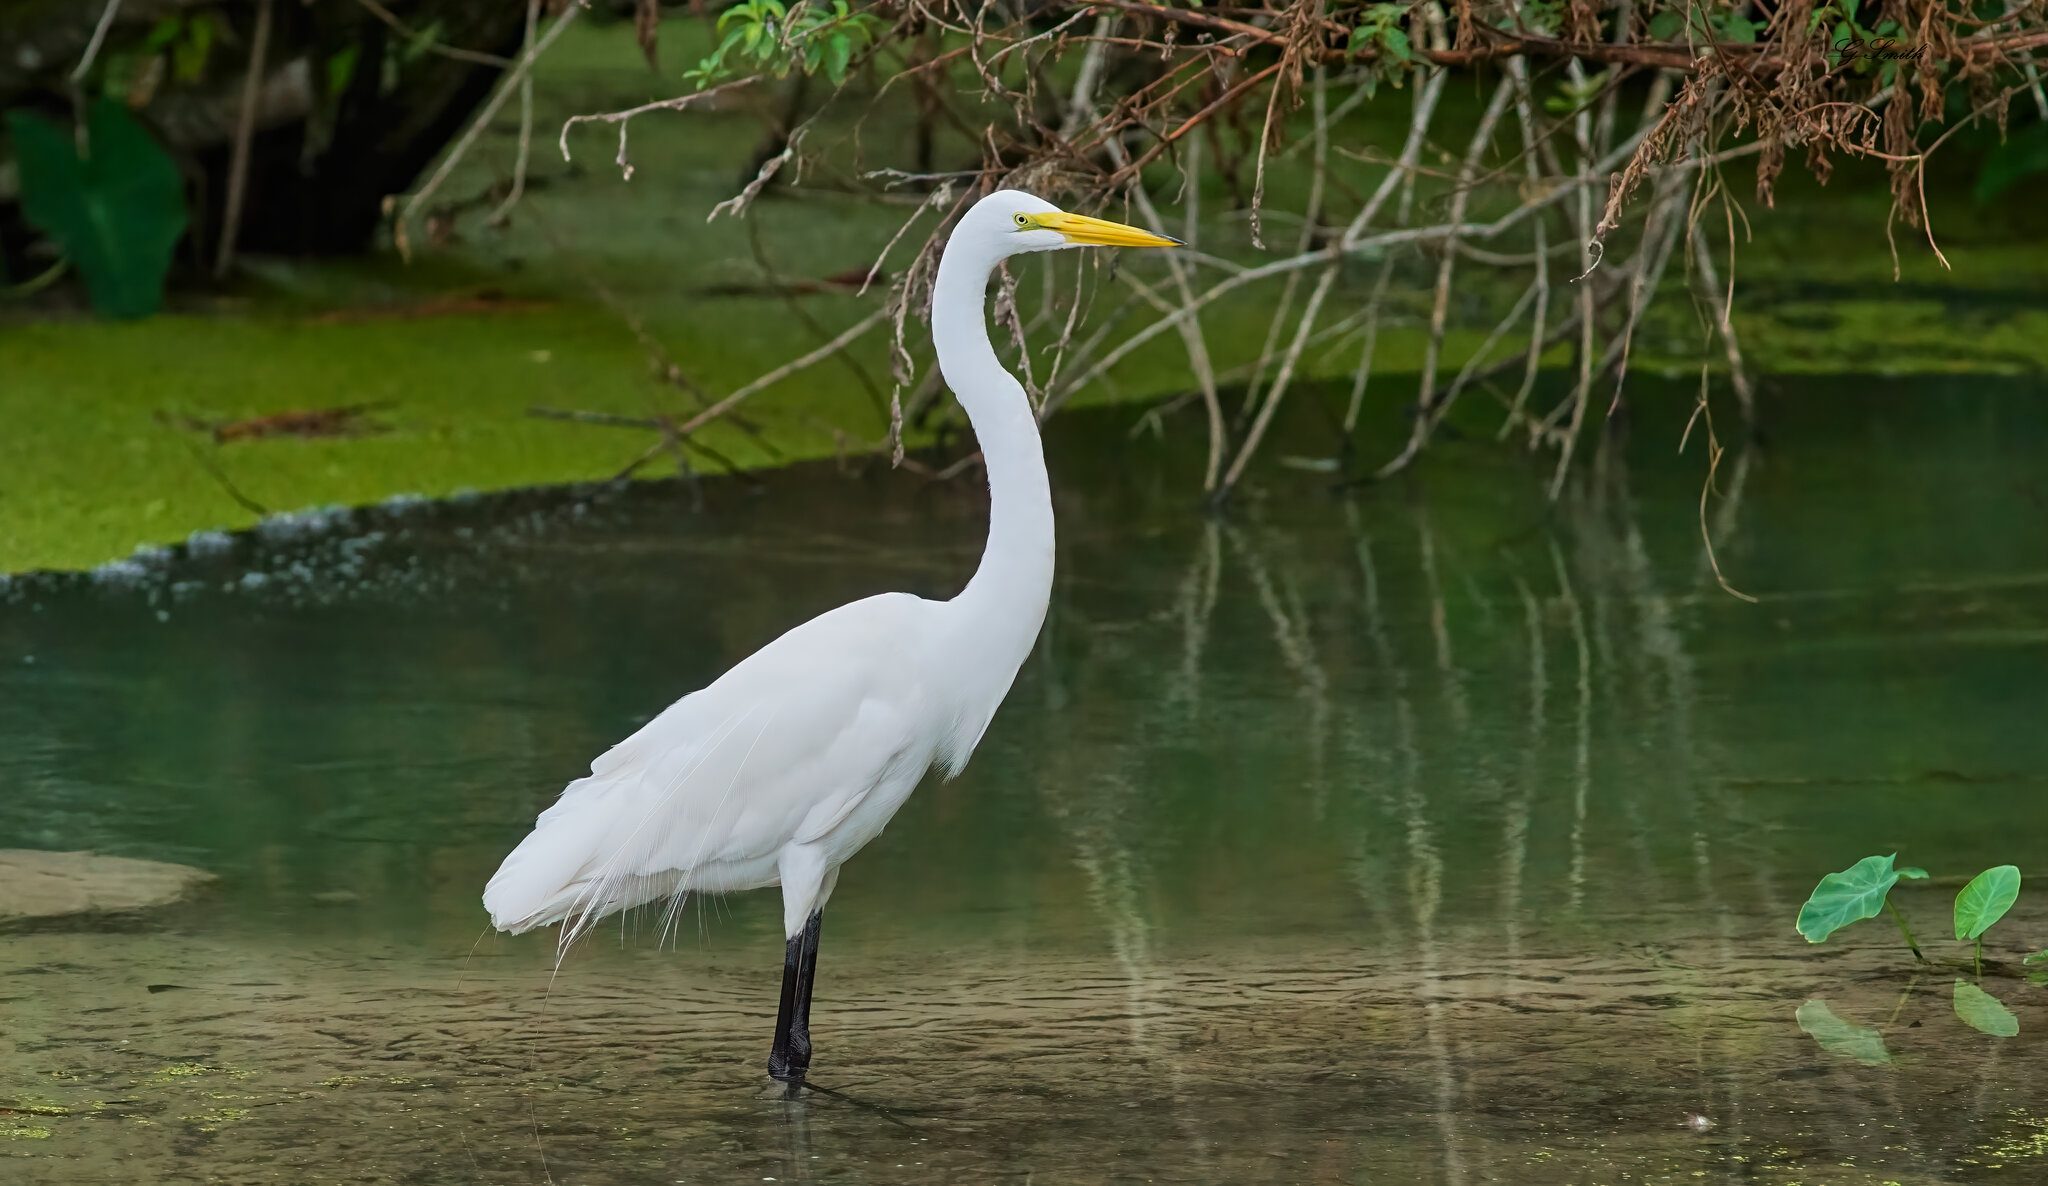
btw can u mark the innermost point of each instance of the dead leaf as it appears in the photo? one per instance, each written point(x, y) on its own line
point(350, 420)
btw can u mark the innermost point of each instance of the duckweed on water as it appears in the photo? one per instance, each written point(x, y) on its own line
point(38, 1106)
point(2029, 1143)
point(216, 1119)
point(24, 1132)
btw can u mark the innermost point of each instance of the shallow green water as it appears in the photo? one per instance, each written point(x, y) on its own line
point(1432, 835)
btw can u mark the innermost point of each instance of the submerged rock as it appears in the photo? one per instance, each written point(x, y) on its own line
point(37, 885)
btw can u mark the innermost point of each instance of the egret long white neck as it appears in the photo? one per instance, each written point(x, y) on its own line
point(1010, 589)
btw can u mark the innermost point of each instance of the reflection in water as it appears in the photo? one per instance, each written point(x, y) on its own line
point(1429, 836)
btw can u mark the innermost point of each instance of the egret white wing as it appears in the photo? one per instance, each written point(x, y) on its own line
point(706, 795)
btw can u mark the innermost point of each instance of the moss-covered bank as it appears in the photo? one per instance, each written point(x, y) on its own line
point(100, 455)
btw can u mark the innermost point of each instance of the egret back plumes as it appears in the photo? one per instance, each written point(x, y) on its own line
point(781, 750)
point(781, 769)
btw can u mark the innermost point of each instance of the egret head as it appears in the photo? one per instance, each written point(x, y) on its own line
point(1011, 222)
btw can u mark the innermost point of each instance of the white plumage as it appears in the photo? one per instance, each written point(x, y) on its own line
point(782, 768)
point(775, 773)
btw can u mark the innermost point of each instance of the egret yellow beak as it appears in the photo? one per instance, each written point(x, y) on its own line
point(1100, 232)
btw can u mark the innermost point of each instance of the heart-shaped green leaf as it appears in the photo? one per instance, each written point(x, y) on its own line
point(116, 212)
point(1982, 1012)
point(1836, 1036)
point(1985, 900)
point(1854, 894)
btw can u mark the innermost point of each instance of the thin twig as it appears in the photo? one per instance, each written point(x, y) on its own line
point(504, 210)
point(99, 37)
point(245, 134)
point(622, 118)
point(483, 119)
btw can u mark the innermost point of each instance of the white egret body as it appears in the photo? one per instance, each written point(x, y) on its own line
point(781, 769)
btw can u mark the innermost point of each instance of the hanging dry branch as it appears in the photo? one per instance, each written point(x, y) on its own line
point(1604, 133)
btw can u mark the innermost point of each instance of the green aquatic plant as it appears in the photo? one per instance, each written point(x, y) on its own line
point(1983, 902)
point(1864, 889)
point(1983, 1012)
point(116, 210)
point(1854, 894)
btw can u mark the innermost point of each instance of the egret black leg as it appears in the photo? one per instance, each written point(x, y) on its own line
point(807, 979)
point(790, 1056)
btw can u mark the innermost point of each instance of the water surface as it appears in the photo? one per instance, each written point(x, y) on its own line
point(1430, 834)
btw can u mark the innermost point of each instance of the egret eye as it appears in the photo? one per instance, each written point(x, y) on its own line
point(1023, 220)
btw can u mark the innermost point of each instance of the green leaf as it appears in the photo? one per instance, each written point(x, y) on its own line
point(1397, 45)
point(1982, 1012)
point(838, 53)
point(1854, 894)
point(1739, 30)
point(116, 213)
point(1985, 900)
point(1836, 1036)
point(420, 44)
point(163, 33)
point(1913, 873)
point(1665, 25)
point(189, 53)
point(341, 68)
point(2039, 957)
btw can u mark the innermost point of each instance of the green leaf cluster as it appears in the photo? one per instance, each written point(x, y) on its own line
point(177, 47)
point(769, 37)
point(1838, 18)
point(1863, 889)
point(115, 209)
point(1379, 28)
point(1573, 95)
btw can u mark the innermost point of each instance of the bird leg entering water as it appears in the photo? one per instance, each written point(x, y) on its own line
point(790, 1056)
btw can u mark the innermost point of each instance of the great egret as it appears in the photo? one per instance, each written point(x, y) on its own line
point(782, 768)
